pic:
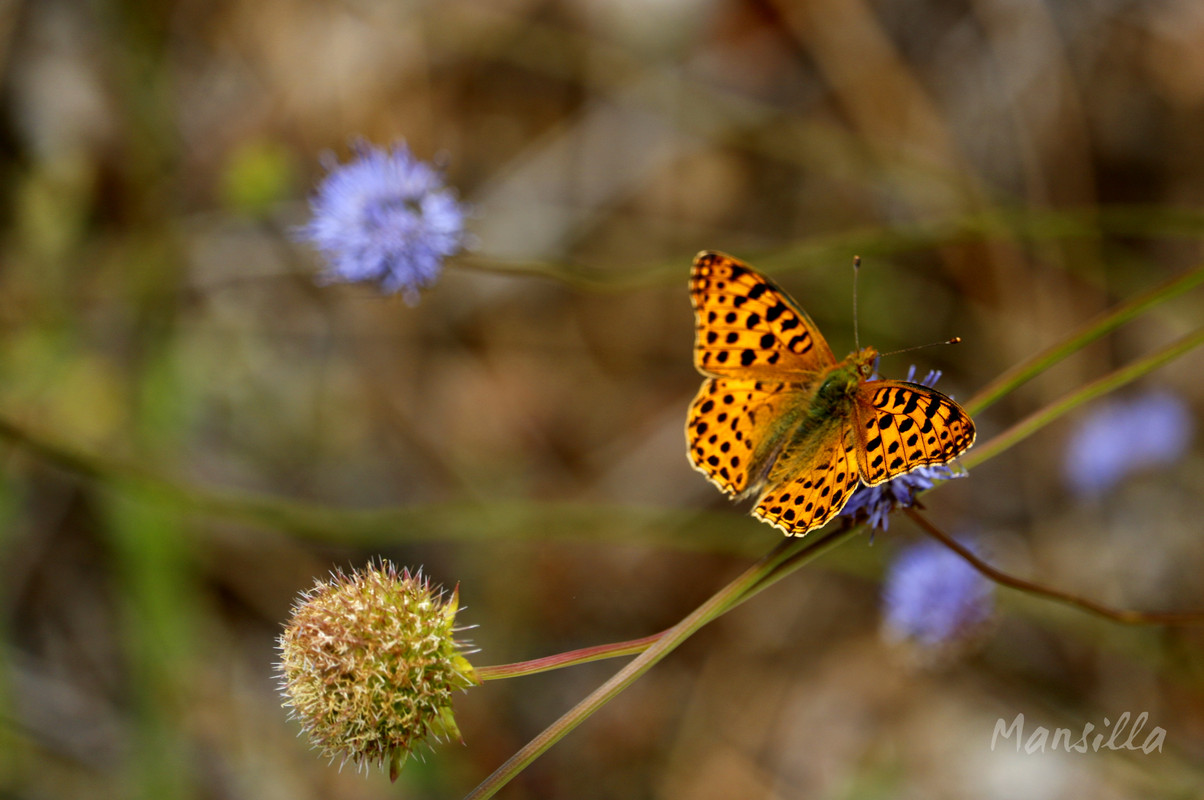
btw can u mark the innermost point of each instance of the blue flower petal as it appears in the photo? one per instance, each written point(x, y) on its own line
point(1120, 437)
point(386, 218)
point(932, 596)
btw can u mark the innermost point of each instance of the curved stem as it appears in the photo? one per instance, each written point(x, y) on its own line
point(1126, 616)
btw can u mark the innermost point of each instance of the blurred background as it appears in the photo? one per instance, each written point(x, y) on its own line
point(194, 430)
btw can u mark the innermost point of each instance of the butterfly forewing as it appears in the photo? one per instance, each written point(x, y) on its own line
point(903, 426)
point(747, 327)
point(808, 488)
point(729, 433)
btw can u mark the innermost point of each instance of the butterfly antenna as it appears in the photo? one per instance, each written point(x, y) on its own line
point(954, 340)
point(856, 333)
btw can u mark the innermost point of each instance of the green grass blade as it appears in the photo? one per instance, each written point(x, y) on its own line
point(1101, 386)
point(1021, 373)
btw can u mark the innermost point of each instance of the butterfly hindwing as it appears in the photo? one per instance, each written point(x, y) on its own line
point(903, 426)
point(806, 489)
point(747, 327)
point(729, 430)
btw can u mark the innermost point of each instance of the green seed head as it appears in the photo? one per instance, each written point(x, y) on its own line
point(368, 664)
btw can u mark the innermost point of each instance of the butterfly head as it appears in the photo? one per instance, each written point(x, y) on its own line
point(865, 362)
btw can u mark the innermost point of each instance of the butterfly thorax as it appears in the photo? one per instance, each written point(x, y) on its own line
point(828, 401)
point(839, 384)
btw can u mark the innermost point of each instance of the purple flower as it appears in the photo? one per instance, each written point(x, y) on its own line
point(874, 503)
point(931, 596)
point(1123, 436)
point(385, 217)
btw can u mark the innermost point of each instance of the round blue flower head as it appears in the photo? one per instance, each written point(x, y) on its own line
point(387, 218)
point(874, 503)
point(933, 597)
point(1120, 437)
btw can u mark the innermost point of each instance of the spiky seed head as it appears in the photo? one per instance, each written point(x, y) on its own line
point(369, 662)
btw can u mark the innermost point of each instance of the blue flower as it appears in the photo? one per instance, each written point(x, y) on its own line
point(874, 503)
point(931, 596)
point(1120, 437)
point(385, 217)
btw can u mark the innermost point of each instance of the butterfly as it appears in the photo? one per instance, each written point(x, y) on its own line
point(780, 418)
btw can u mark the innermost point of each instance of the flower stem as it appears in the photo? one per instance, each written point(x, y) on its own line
point(1126, 616)
point(1009, 224)
point(786, 557)
point(570, 659)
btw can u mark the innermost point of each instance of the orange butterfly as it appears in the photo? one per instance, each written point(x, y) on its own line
point(778, 416)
